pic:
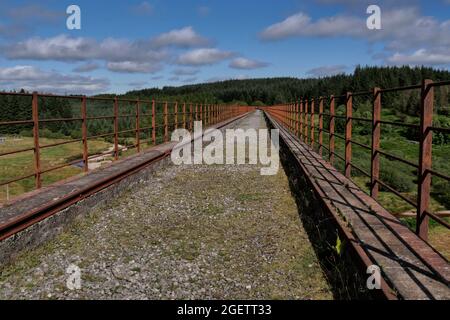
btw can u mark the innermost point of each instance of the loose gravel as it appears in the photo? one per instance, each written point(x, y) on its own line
point(191, 232)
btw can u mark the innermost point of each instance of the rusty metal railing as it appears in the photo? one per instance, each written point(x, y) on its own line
point(153, 121)
point(300, 118)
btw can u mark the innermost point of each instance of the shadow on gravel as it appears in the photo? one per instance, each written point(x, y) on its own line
point(344, 276)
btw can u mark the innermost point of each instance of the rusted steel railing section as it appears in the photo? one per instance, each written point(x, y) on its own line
point(307, 119)
point(135, 124)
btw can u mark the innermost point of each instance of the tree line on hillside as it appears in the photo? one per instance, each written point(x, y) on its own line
point(267, 91)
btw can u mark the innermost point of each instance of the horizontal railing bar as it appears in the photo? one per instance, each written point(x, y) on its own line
point(438, 219)
point(361, 170)
point(396, 192)
point(360, 144)
point(440, 129)
point(61, 166)
point(59, 143)
point(392, 156)
point(438, 174)
point(16, 151)
point(5, 123)
point(361, 93)
point(100, 136)
point(100, 118)
point(361, 119)
point(60, 120)
point(401, 124)
point(439, 83)
point(17, 179)
point(412, 87)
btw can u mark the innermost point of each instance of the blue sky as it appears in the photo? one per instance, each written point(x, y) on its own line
point(124, 45)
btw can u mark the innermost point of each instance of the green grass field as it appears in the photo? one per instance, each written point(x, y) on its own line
point(22, 164)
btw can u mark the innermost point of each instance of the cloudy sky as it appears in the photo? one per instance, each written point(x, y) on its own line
point(124, 45)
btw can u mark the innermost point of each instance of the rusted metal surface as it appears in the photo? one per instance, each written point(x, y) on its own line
point(312, 123)
point(37, 153)
point(153, 122)
point(409, 266)
point(321, 126)
point(426, 128)
point(138, 126)
point(332, 129)
point(348, 135)
point(116, 129)
point(161, 118)
point(84, 134)
point(376, 134)
point(425, 159)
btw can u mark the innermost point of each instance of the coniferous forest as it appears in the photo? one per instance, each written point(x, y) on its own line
point(256, 92)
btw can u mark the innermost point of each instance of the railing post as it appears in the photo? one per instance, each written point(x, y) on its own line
point(184, 115)
point(37, 152)
point(153, 123)
point(348, 134)
point(176, 114)
point(425, 158)
point(291, 118)
point(201, 112)
point(116, 128)
point(301, 120)
point(84, 134)
point(321, 126)
point(332, 128)
point(196, 112)
point(312, 123)
point(376, 135)
point(296, 117)
point(306, 122)
point(166, 122)
point(138, 126)
point(191, 117)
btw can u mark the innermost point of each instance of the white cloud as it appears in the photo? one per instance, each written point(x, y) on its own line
point(34, 79)
point(87, 67)
point(420, 57)
point(65, 48)
point(301, 25)
point(133, 67)
point(327, 71)
point(291, 26)
point(244, 63)
point(185, 37)
point(403, 29)
point(204, 56)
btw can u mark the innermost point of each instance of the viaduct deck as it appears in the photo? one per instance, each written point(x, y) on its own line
point(409, 265)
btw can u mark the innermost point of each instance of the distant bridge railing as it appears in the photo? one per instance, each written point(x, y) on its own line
point(139, 123)
point(300, 118)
